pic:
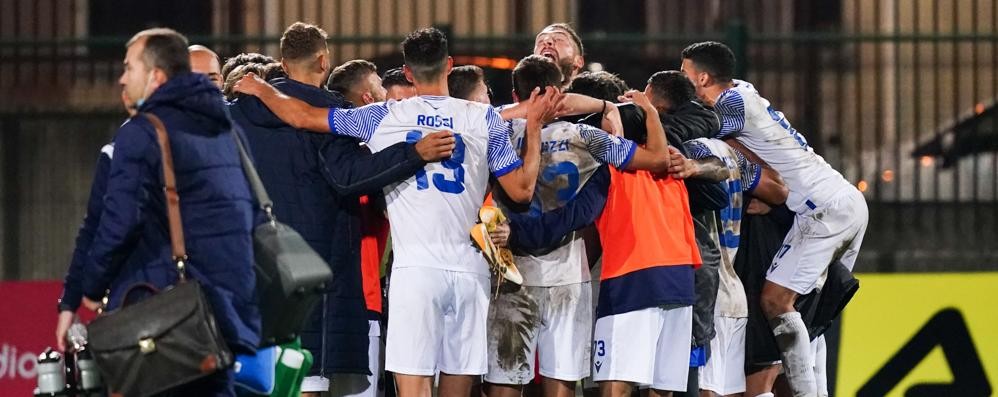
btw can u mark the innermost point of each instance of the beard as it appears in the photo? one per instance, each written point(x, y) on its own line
point(567, 66)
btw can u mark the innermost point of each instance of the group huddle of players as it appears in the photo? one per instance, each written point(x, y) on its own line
point(664, 174)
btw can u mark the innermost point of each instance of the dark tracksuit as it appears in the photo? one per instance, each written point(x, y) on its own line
point(315, 181)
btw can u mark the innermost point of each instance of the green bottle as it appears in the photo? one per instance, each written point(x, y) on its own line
point(293, 363)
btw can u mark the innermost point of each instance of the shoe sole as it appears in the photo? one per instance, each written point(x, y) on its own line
point(480, 236)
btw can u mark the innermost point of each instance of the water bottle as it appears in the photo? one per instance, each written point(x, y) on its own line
point(89, 377)
point(76, 335)
point(85, 378)
point(51, 378)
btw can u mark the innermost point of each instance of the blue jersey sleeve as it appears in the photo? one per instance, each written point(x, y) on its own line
point(607, 148)
point(731, 108)
point(359, 122)
point(502, 156)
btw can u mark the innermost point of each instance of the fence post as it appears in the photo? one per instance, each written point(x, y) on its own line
point(10, 202)
point(736, 36)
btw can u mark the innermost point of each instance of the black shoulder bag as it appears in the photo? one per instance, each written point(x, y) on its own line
point(290, 275)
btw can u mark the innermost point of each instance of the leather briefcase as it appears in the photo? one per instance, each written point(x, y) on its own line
point(168, 339)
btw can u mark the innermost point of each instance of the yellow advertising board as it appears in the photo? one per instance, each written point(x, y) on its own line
point(924, 334)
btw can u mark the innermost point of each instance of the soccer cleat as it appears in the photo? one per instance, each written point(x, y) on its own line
point(500, 259)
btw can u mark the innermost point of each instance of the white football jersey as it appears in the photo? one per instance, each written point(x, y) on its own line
point(743, 177)
point(570, 153)
point(749, 118)
point(432, 212)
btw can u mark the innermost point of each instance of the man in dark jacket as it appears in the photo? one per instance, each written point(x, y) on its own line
point(132, 245)
point(316, 181)
point(72, 294)
point(203, 61)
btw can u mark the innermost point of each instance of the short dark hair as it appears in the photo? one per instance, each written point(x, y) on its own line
point(712, 57)
point(673, 86)
point(571, 33)
point(600, 85)
point(349, 74)
point(534, 71)
point(462, 80)
point(425, 53)
point(164, 49)
point(394, 77)
point(301, 41)
point(273, 70)
point(242, 59)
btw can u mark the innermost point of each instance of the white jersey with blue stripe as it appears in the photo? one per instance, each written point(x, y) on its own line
point(570, 153)
point(430, 213)
point(749, 118)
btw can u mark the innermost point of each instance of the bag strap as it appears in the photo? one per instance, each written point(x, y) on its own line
point(172, 198)
point(253, 177)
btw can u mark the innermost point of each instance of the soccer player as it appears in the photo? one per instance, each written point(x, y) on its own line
point(724, 372)
point(358, 81)
point(559, 43)
point(396, 86)
point(552, 313)
point(831, 214)
point(644, 314)
point(440, 284)
point(468, 82)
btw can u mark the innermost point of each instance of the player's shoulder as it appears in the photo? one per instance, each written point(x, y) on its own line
point(471, 107)
point(742, 93)
point(731, 99)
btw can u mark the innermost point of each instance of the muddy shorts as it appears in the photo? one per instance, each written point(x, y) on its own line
point(553, 323)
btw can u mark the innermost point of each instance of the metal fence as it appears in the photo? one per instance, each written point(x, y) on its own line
point(898, 95)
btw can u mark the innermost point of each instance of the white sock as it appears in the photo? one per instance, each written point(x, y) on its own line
point(820, 358)
point(795, 347)
point(765, 395)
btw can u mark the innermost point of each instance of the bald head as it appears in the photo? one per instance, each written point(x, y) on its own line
point(205, 61)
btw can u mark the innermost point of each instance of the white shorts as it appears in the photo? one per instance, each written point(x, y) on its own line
point(833, 232)
point(436, 322)
point(349, 385)
point(555, 322)
point(648, 346)
point(724, 373)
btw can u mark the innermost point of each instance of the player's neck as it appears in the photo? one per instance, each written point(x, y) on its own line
point(312, 79)
point(433, 88)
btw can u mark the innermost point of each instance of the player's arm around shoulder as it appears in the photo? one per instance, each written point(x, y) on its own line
point(541, 109)
point(291, 110)
point(768, 186)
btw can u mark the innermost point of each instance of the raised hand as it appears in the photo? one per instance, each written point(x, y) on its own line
point(638, 98)
point(545, 108)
